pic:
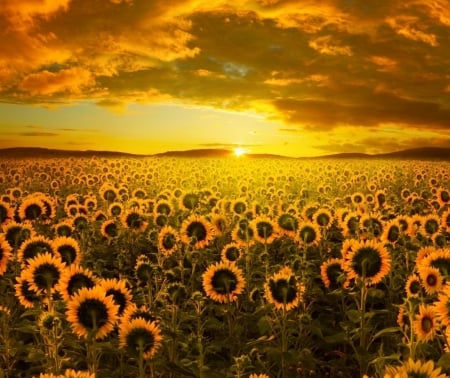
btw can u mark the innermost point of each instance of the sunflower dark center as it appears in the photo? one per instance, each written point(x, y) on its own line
point(119, 299)
point(393, 233)
point(33, 211)
point(323, 219)
point(224, 281)
point(64, 230)
point(308, 234)
point(144, 272)
point(264, 229)
point(46, 276)
point(78, 281)
point(134, 220)
point(140, 338)
point(190, 201)
point(80, 223)
point(68, 253)
point(366, 262)
point(353, 224)
point(426, 324)
point(35, 248)
point(169, 240)
point(432, 280)
point(92, 314)
point(163, 208)
point(245, 234)
point(374, 226)
point(431, 226)
point(414, 288)
point(283, 290)
point(333, 272)
point(445, 196)
point(116, 210)
point(109, 195)
point(197, 231)
point(111, 229)
point(161, 220)
point(239, 207)
point(232, 253)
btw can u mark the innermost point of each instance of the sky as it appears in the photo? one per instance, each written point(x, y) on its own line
point(297, 78)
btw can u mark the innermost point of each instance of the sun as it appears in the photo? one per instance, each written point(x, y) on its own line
point(239, 151)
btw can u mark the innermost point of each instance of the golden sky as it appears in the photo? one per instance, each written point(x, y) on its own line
point(298, 78)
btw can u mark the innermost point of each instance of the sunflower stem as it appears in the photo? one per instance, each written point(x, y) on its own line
point(141, 358)
point(284, 343)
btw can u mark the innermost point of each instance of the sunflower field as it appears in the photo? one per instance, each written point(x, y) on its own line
point(233, 267)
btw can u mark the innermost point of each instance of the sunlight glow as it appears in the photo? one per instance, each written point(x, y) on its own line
point(239, 151)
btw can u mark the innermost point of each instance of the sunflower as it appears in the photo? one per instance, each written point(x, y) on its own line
point(442, 305)
point(5, 254)
point(358, 198)
point(68, 249)
point(163, 207)
point(27, 297)
point(413, 368)
point(431, 279)
point(33, 247)
point(231, 252)
point(119, 291)
point(115, 209)
point(134, 221)
point(431, 225)
point(402, 317)
point(108, 193)
point(445, 220)
point(189, 201)
point(368, 260)
point(331, 272)
point(73, 278)
point(412, 286)
point(287, 224)
point(68, 373)
point(91, 312)
point(254, 375)
point(391, 232)
point(6, 212)
point(109, 229)
point(239, 206)
point(439, 258)
point(17, 233)
point(223, 282)
point(350, 225)
point(64, 227)
point(99, 216)
point(422, 253)
point(243, 233)
point(143, 269)
point(219, 223)
point(31, 208)
point(308, 233)
point(323, 218)
point(168, 239)
point(443, 196)
point(133, 312)
point(197, 231)
point(43, 272)
point(140, 336)
point(372, 225)
point(425, 323)
point(283, 290)
point(266, 230)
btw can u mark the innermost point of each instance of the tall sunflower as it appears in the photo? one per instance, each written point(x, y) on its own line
point(431, 279)
point(412, 286)
point(231, 252)
point(140, 336)
point(283, 290)
point(32, 208)
point(223, 282)
point(6, 212)
point(134, 221)
point(425, 324)
point(33, 247)
point(27, 297)
point(17, 233)
point(197, 231)
point(442, 305)
point(91, 312)
point(369, 260)
point(287, 224)
point(308, 233)
point(333, 274)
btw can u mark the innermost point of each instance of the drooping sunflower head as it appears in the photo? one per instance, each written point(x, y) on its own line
point(231, 252)
point(323, 217)
point(17, 233)
point(109, 229)
point(197, 231)
point(68, 249)
point(33, 247)
point(283, 290)
point(120, 293)
point(333, 274)
point(391, 232)
point(287, 224)
point(176, 293)
point(266, 230)
point(369, 260)
point(189, 201)
point(140, 338)
point(144, 269)
point(27, 297)
point(308, 234)
point(92, 313)
point(134, 221)
point(44, 272)
point(431, 225)
point(412, 286)
point(31, 208)
point(223, 282)
point(168, 239)
point(75, 278)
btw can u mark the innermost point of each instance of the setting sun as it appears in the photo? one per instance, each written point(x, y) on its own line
point(239, 151)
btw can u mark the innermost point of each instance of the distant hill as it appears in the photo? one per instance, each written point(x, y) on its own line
point(424, 153)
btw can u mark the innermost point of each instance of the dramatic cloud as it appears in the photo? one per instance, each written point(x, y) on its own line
point(315, 66)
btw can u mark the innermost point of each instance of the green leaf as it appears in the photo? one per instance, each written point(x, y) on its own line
point(385, 331)
point(353, 316)
point(336, 339)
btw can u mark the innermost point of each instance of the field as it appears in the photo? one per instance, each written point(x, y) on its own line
point(236, 267)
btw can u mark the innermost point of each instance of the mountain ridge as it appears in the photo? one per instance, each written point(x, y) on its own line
point(421, 153)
